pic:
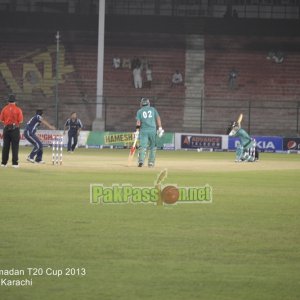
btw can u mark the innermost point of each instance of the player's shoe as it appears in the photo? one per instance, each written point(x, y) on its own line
point(3, 166)
point(151, 165)
point(30, 160)
point(140, 164)
point(41, 162)
point(15, 166)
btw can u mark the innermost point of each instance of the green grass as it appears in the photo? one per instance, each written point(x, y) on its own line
point(244, 245)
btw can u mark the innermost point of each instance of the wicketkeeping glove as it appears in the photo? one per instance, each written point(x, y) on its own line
point(160, 132)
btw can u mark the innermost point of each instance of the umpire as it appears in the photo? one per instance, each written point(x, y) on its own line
point(11, 116)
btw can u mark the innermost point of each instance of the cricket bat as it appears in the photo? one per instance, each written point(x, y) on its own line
point(133, 148)
point(240, 119)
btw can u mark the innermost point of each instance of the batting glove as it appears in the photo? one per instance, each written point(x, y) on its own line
point(136, 134)
point(160, 132)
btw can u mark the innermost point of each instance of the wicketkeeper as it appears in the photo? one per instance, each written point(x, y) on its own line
point(146, 120)
point(246, 150)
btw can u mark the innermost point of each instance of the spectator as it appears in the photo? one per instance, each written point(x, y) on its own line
point(227, 14)
point(144, 63)
point(126, 63)
point(149, 76)
point(84, 97)
point(276, 56)
point(232, 84)
point(235, 14)
point(137, 77)
point(177, 78)
point(116, 62)
point(11, 116)
point(135, 63)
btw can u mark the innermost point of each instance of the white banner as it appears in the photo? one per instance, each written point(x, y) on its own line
point(194, 141)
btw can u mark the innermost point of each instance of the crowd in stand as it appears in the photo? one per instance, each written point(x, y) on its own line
point(142, 72)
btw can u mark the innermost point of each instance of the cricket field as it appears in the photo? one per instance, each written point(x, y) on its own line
point(244, 245)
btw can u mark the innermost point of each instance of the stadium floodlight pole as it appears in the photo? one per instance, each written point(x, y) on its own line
point(98, 123)
point(57, 36)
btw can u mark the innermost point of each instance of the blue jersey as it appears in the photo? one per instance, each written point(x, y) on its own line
point(33, 124)
point(73, 125)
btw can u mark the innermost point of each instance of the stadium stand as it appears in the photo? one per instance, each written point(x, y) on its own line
point(165, 53)
point(266, 92)
point(28, 69)
point(268, 88)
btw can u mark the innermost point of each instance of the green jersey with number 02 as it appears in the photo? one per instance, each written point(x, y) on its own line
point(147, 116)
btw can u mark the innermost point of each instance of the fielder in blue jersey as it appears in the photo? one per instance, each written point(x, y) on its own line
point(73, 125)
point(147, 118)
point(36, 155)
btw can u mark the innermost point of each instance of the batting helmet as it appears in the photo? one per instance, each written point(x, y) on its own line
point(231, 126)
point(145, 102)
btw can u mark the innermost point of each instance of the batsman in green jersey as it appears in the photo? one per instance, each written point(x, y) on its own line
point(247, 150)
point(147, 118)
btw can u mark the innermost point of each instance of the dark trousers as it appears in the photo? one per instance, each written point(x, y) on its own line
point(72, 136)
point(11, 137)
point(37, 145)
